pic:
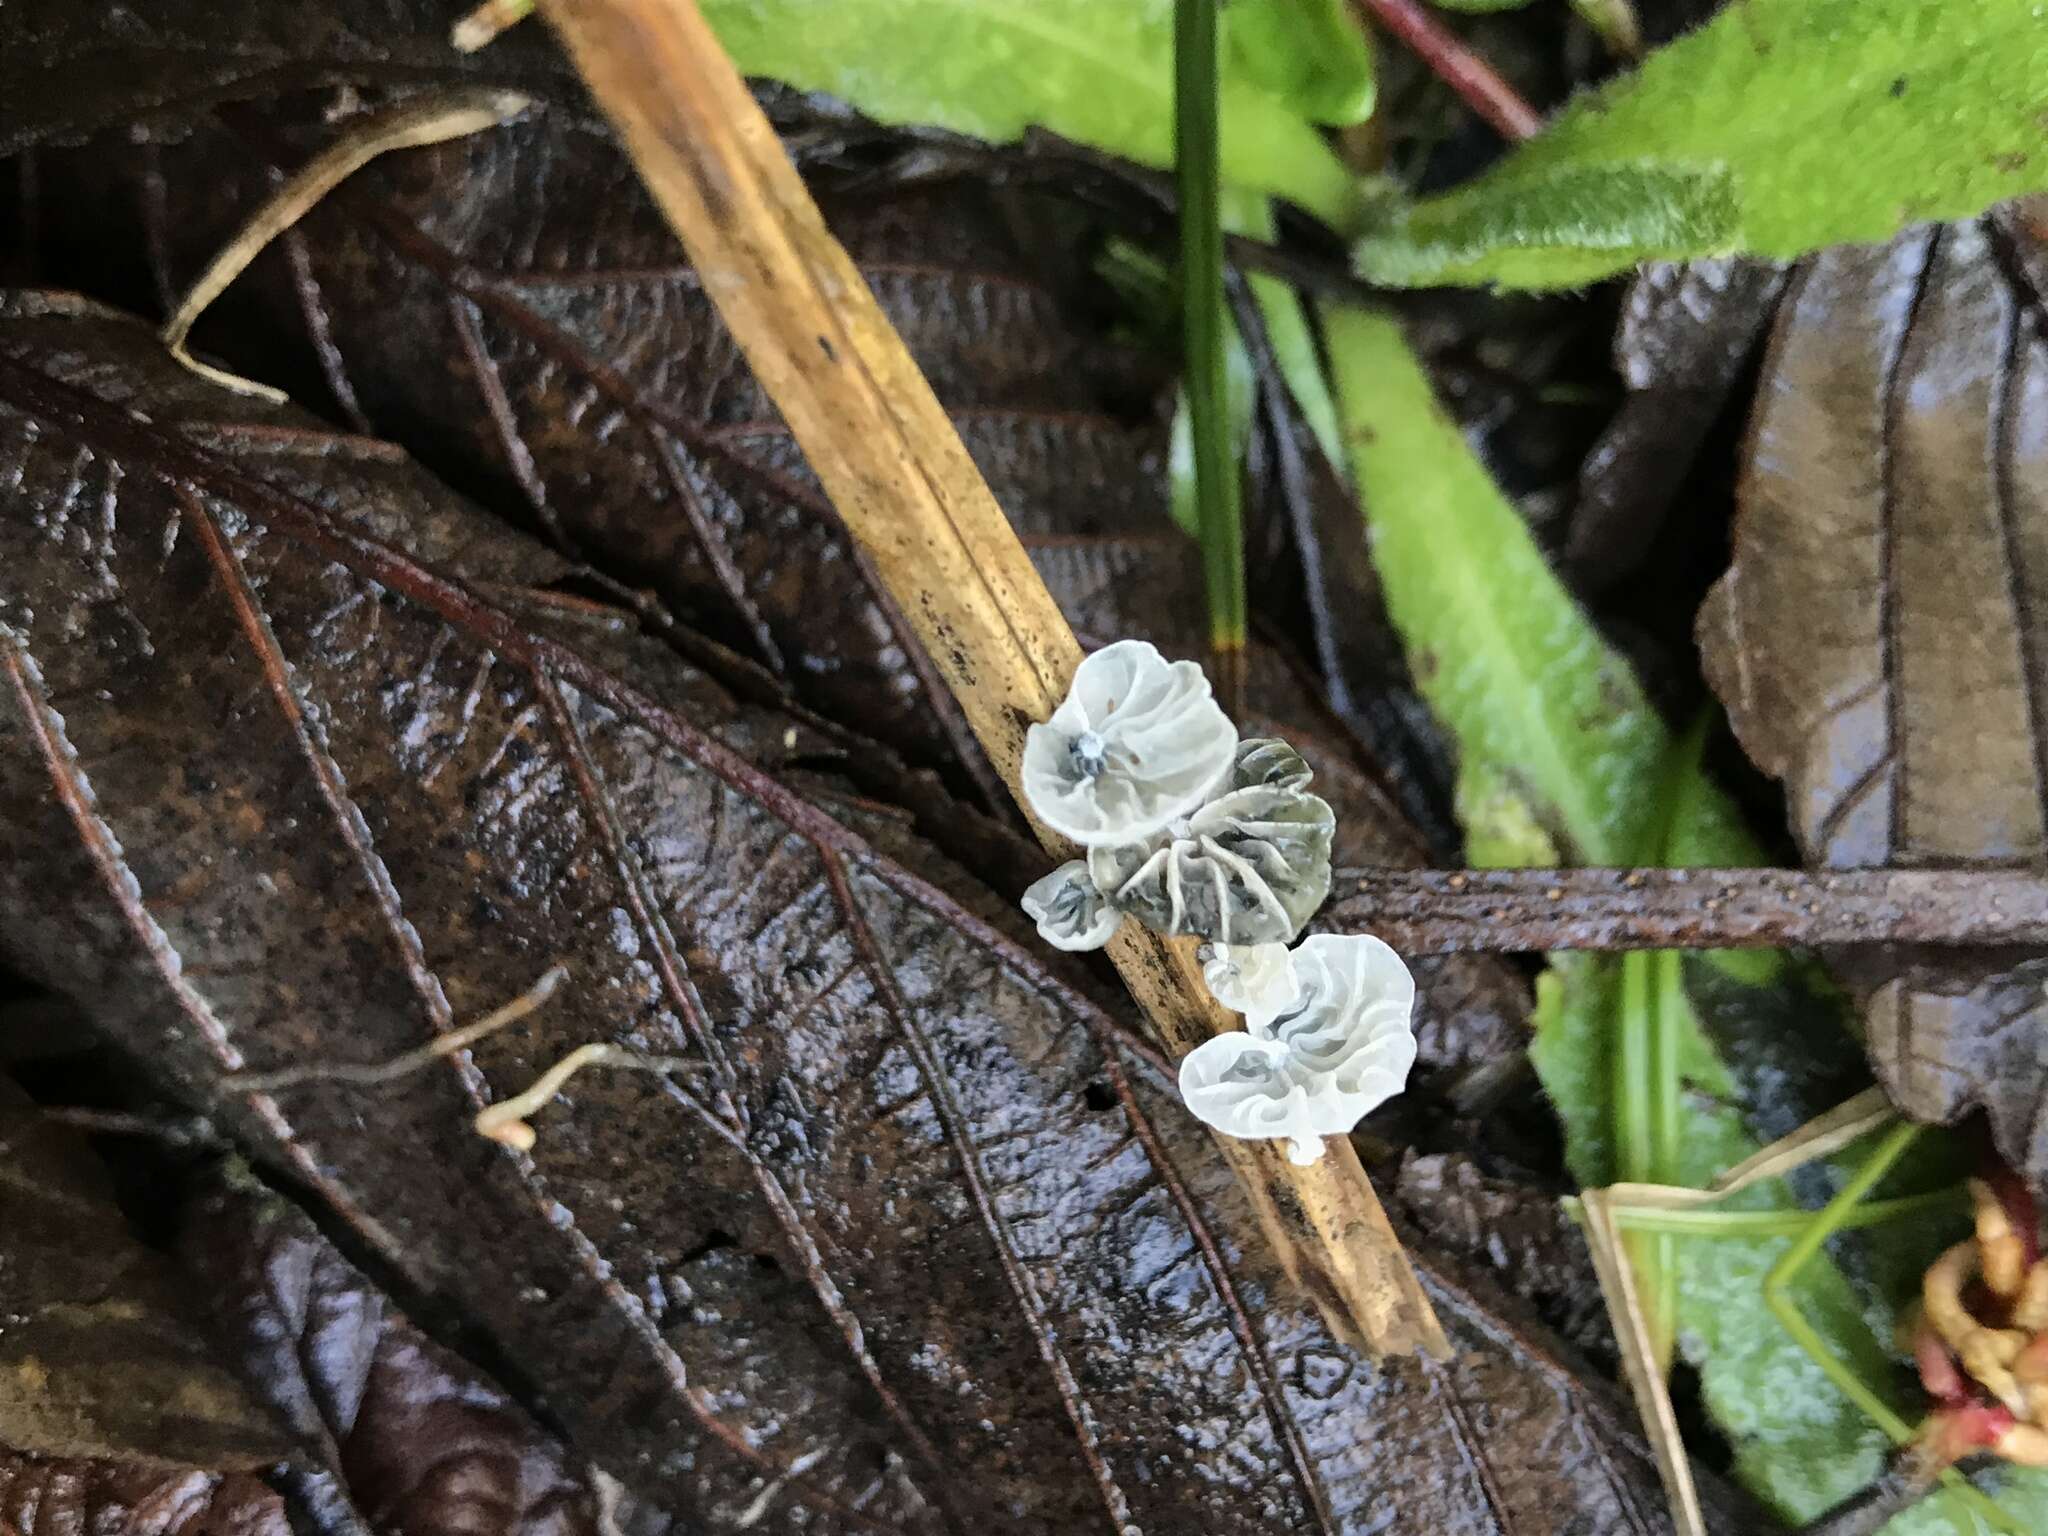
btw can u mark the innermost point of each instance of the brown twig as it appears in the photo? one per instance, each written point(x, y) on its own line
point(896, 470)
point(1435, 911)
point(1457, 66)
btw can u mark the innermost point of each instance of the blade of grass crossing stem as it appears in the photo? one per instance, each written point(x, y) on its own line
point(1640, 1096)
point(1205, 330)
point(1649, 1079)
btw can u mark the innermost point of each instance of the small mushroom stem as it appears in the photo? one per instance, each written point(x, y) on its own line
point(412, 124)
point(373, 1073)
point(506, 1120)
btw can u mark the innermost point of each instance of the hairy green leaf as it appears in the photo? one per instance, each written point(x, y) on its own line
point(1779, 127)
point(1560, 752)
point(1098, 71)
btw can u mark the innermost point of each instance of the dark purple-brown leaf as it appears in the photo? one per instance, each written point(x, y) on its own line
point(421, 1441)
point(1688, 333)
point(68, 69)
point(911, 1251)
point(60, 1497)
point(1878, 639)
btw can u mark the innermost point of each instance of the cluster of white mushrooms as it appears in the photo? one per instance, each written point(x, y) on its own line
point(1190, 830)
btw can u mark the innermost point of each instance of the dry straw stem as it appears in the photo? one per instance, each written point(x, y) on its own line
point(1639, 1360)
point(895, 469)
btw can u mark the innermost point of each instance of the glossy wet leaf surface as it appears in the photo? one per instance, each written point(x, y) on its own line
point(512, 310)
point(393, 1429)
point(288, 794)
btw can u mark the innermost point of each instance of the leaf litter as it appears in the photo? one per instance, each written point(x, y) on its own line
point(913, 1144)
point(608, 634)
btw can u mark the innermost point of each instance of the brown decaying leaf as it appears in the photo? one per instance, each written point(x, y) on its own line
point(421, 1441)
point(1688, 332)
point(101, 1356)
point(40, 1497)
point(1878, 638)
point(512, 309)
point(921, 1256)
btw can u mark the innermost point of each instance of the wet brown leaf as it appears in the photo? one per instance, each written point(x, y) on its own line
point(1878, 638)
point(512, 309)
point(912, 1253)
point(1689, 331)
point(1520, 1233)
point(101, 1356)
point(69, 69)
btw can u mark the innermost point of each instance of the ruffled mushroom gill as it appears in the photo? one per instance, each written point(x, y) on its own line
point(1137, 742)
point(1319, 1064)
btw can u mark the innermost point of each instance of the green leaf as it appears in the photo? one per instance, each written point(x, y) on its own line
point(1799, 1445)
point(1312, 54)
point(1097, 71)
point(1778, 127)
point(1541, 708)
point(1557, 743)
point(1563, 226)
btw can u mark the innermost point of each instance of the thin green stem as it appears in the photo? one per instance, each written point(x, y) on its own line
point(1640, 1028)
point(1667, 1075)
point(1778, 1283)
point(1204, 318)
point(1667, 1116)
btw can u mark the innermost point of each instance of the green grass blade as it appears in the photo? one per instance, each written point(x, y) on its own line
point(1205, 321)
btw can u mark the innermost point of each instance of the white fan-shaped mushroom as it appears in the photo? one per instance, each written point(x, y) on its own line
point(1249, 867)
point(1250, 978)
point(1137, 742)
point(1317, 1066)
point(1070, 912)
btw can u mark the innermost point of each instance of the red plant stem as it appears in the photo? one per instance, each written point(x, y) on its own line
point(1457, 66)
